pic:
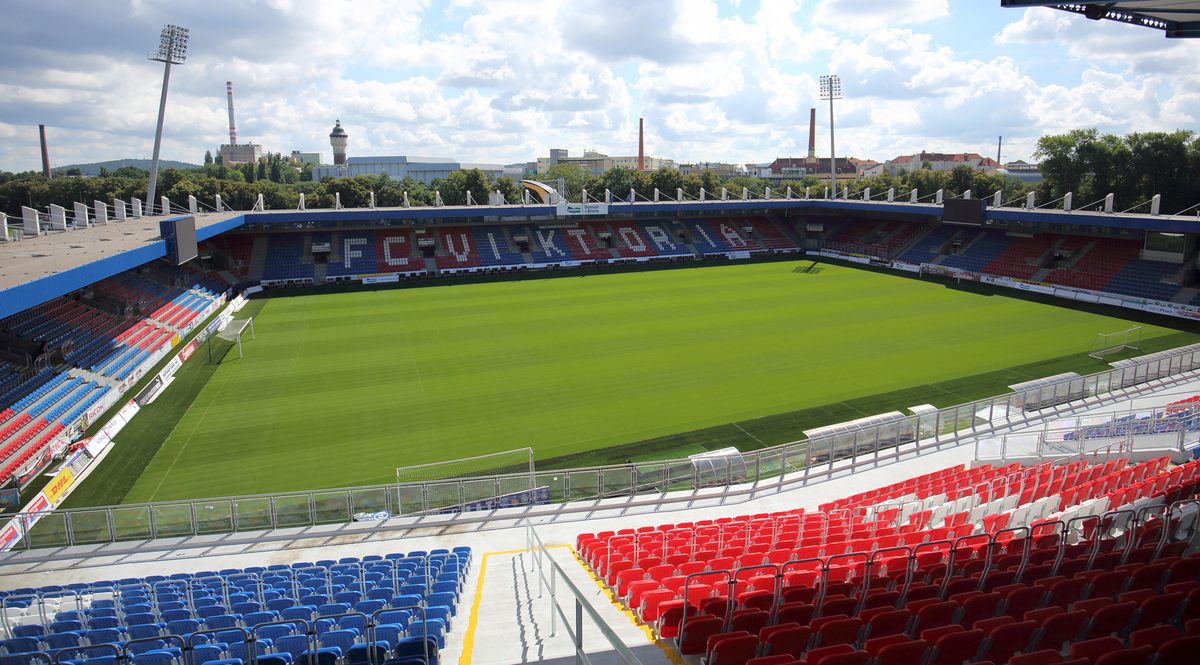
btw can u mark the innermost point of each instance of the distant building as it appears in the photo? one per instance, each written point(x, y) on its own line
point(313, 158)
point(241, 153)
point(399, 167)
point(596, 163)
point(718, 168)
point(1024, 171)
point(936, 161)
point(794, 168)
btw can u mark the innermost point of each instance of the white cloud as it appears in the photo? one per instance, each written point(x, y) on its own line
point(504, 80)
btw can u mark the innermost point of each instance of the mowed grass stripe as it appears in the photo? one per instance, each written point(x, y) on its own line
point(339, 389)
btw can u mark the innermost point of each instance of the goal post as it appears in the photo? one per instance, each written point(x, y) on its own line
point(1106, 344)
point(507, 462)
point(228, 338)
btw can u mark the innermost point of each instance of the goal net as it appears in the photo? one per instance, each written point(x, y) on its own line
point(228, 339)
point(473, 483)
point(1107, 344)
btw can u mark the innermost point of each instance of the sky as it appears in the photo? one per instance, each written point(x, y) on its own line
point(503, 81)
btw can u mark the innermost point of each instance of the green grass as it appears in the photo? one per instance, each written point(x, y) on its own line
point(339, 389)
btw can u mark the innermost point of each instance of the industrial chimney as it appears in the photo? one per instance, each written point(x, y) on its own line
point(45, 152)
point(641, 144)
point(232, 126)
point(812, 135)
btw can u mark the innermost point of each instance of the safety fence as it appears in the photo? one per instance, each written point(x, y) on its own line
point(835, 452)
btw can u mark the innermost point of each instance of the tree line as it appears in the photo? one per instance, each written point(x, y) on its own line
point(1133, 167)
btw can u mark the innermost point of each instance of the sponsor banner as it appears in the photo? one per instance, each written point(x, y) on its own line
point(879, 263)
point(170, 368)
point(252, 290)
point(381, 279)
point(187, 351)
point(96, 445)
point(815, 228)
point(59, 485)
point(738, 255)
point(578, 209)
point(9, 536)
point(239, 302)
point(535, 497)
point(906, 266)
point(10, 500)
point(145, 395)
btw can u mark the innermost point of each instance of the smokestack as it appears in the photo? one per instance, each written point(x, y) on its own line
point(999, 148)
point(641, 144)
point(812, 134)
point(45, 152)
point(232, 127)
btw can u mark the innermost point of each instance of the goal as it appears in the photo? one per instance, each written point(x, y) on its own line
point(228, 338)
point(1107, 344)
point(508, 462)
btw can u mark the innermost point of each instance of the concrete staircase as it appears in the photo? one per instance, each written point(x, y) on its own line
point(1185, 295)
point(258, 258)
point(319, 272)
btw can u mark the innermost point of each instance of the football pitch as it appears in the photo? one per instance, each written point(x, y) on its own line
point(339, 389)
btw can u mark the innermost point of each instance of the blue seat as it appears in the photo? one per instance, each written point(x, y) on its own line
point(293, 645)
point(341, 640)
point(255, 618)
point(355, 622)
point(439, 612)
point(370, 607)
point(280, 604)
point(64, 626)
point(275, 659)
point(241, 650)
point(407, 600)
point(417, 646)
point(29, 630)
point(137, 648)
point(207, 611)
point(175, 615)
point(64, 640)
point(155, 657)
point(104, 622)
point(276, 631)
point(103, 636)
point(367, 653)
point(225, 661)
point(443, 598)
point(434, 628)
point(145, 630)
point(332, 609)
point(389, 634)
point(325, 656)
point(182, 627)
point(219, 621)
point(22, 644)
point(207, 653)
point(303, 612)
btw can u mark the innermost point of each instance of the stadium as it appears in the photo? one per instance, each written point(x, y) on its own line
point(634, 427)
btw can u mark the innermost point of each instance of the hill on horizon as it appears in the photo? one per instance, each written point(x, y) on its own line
point(114, 164)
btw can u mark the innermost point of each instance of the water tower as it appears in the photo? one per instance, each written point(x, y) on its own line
point(337, 139)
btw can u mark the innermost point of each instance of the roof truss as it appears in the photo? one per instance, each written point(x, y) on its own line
point(1176, 18)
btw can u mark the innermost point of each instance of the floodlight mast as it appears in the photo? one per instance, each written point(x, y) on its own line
point(831, 89)
point(172, 50)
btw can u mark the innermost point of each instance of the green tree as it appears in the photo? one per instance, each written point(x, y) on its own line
point(574, 179)
point(208, 158)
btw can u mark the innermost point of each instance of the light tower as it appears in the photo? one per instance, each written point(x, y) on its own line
point(172, 50)
point(831, 89)
point(338, 138)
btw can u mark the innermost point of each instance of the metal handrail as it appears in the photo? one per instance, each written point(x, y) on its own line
point(582, 606)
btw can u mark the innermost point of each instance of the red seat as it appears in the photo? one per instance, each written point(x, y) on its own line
point(852, 658)
point(903, 653)
point(1063, 593)
point(800, 613)
point(1153, 636)
point(883, 624)
point(1179, 651)
point(1134, 656)
point(1094, 648)
point(1007, 640)
point(651, 605)
point(838, 631)
point(840, 605)
point(1159, 609)
point(935, 615)
point(731, 649)
point(670, 613)
point(788, 638)
point(1062, 628)
point(822, 655)
point(1113, 619)
point(982, 606)
point(954, 648)
point(1021, 600)
point(695, 631)
point(782, 659)
point(1044, 657)
point(750, 620)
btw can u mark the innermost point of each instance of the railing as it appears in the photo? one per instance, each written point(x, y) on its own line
point(538, 562)
point(777, 468)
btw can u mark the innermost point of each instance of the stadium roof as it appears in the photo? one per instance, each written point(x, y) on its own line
point(1177, 18)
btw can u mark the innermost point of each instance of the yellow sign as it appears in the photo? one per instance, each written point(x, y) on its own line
point(58, 486)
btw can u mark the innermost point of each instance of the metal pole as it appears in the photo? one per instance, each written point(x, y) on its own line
point(832, 152)
point(578, 631)
point(162, 109)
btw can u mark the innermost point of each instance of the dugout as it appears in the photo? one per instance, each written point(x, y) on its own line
point(1048, 391)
